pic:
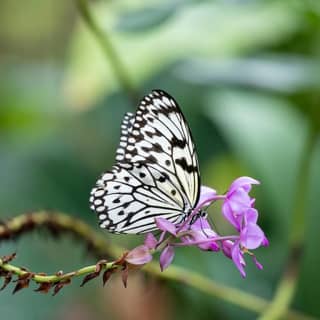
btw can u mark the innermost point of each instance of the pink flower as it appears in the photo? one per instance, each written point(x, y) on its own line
point(206, 195)
point(166, 226)
point(201, 230)
point(166, 257)
point(237, 258)
point(251, 237)
point(237, 208)
point(139, 255)
point(150, 241)
point(237, 200)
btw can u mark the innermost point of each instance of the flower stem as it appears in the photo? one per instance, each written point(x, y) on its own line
point(195, 243)
point(103, 39)
point(287, 285)
point(231, 295)
point(282, 298)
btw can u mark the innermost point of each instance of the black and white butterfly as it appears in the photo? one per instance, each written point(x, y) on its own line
point(156, 172)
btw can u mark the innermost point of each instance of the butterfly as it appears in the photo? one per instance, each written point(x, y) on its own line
point(156, 173)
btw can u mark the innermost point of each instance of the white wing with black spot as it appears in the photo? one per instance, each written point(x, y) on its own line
point(156, 173)
point(130, 196)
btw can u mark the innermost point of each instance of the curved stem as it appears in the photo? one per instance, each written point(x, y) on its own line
point(282, 298)
point(56, 223)
point(231, 295)
point(287, 285)
point(103, 39)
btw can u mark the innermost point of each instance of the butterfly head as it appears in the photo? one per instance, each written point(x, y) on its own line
point(200, 214)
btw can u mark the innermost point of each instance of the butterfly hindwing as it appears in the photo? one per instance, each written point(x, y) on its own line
point(129, 197)
point(156, 173)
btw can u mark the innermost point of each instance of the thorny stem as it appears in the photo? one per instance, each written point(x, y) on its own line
point(39, 278)
point(234, 296)
point(107, 46)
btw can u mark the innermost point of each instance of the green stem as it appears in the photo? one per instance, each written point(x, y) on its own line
point(231, 295)
point(39, 278)
point(103, 39)
point(287, 285)
point(281, 301)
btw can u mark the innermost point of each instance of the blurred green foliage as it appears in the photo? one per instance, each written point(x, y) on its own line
point(246, 74)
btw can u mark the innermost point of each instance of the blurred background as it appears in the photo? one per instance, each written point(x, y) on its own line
point(247, 76)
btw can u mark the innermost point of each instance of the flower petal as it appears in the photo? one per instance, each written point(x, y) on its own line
point(201, 224)
point(257, 263)
point(251, 236)
point(166, 257)
point(239, 200)
point(251, 216)
point(206, 194)
point(227, 246)
point(237, 258)
point(265, 242)
point(139, 255)
point(150, 241)
point(201, 230)
point(242, 182)
point(165, 225)
point(230, 216)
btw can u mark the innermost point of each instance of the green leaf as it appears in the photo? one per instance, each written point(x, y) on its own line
point(268, 135)
point(276, 73)
point(200, 29)
point(308, 288)
point(145, 18)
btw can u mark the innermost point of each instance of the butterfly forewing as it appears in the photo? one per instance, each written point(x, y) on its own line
point(160, 137)
point(126, 127)
point(156, 172)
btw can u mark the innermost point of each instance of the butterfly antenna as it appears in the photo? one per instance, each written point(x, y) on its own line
point(202, 228)
point(213, 224)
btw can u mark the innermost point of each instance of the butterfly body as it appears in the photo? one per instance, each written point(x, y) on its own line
point(156, 174)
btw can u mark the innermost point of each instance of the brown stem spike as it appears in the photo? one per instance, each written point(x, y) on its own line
point(106, 276)
point(125, 274)
point(22, 282)
point(7, 279)
point(89, 277)
point(44, 287)
point(60, 285)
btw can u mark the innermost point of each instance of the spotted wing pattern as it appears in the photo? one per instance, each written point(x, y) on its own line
point(126, 127)
point(156, 172)
point(130, 196)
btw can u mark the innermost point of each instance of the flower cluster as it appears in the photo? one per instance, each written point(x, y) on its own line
point(237, 208)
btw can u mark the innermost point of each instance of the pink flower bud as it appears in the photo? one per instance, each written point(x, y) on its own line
point(139, 255)
point(166, 257)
